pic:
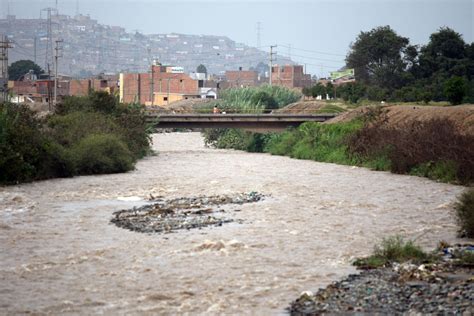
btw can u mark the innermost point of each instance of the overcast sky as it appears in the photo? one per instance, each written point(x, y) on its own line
point(319, 32)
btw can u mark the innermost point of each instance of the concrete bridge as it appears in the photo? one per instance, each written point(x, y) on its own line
point(253, 122)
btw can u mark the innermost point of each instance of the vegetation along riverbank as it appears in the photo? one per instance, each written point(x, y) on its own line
point(84, 135)
point(437, 145)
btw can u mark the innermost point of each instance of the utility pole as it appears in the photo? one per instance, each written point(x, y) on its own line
point(271, 61)
point(152, 75)
point(49, 44)
point(57, 51)
point(4, 46)
point(50, 99)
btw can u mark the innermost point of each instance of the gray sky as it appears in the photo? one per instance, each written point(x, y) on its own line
point(310, 27)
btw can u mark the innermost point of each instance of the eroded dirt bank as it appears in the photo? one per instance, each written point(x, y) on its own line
point(61, 254)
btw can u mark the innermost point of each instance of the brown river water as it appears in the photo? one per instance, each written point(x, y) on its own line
point(60, 254)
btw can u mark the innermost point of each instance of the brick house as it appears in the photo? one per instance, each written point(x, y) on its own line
point(290, 76)
point(241, 78)
point(167, 86)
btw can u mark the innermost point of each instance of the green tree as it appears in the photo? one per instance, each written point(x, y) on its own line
point(378, 57)
point(19, 68)
point(455, 89)
point(318, 89)
point(445, 55)
point(306, 91)
point(330, 89)
point(352, 92)
point(201, 69)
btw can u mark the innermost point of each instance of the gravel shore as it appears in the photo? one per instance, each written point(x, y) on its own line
point(401, 289)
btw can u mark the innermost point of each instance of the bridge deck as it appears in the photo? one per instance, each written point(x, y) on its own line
point(245, 121)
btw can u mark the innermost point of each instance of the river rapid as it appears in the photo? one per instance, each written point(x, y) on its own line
point(60, 254)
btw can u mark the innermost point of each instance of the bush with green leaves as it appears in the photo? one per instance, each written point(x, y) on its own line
point(21, 144)
point(135, 132)
point(455, 89)
point(96, 101)
point(93, 134)
point(352, 92)
point(101, 153)
point(465, 213)
point(264, 99)
point(70, 128)
point(318, 90)
point(315, 141)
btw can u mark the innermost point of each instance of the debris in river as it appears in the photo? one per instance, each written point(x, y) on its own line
point(165, 216)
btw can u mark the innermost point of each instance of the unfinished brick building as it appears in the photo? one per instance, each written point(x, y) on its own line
point(290, 76)
point(167, 87)
point(241, 78)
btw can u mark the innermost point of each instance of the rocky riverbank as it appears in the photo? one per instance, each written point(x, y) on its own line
point(165, 216)
point(443, 287)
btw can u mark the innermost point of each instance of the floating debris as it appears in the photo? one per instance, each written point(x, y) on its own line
point(165, 216)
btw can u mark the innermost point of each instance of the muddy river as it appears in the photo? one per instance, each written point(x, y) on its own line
point(61, 254)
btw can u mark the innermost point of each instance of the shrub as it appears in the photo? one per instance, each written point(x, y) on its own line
point(131, 118)
point(315, 141)
point(212, 135)
point(69, 129)
point(282, 144)
point(393, 249)
point(58, 162)
point(102, 153)
point(352, 92)
point(455, 89)
point(96, 101)
point(233, 138)
point(432, 148)
point(465, 213)
point(376, 93)
point(396, 249)
point(264, 99)
point(324, 142)
point(441, 170)
point(21, 144)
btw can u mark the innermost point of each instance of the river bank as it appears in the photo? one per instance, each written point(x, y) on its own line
point(61, 254)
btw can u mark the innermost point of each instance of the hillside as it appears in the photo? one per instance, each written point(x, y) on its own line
point(91, 48)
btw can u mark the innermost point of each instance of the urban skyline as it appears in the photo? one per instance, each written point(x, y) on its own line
point(315, 33)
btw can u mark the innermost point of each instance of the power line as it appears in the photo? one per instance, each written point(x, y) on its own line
point(315, 51)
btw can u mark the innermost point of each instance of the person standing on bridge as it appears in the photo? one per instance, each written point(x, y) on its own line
point(216, 110)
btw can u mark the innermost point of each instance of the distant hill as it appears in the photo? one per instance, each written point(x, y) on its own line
point(92, 48)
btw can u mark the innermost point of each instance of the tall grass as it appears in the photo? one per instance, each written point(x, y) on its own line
point(241, 100)
point(393, 249)
point(314, 141)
